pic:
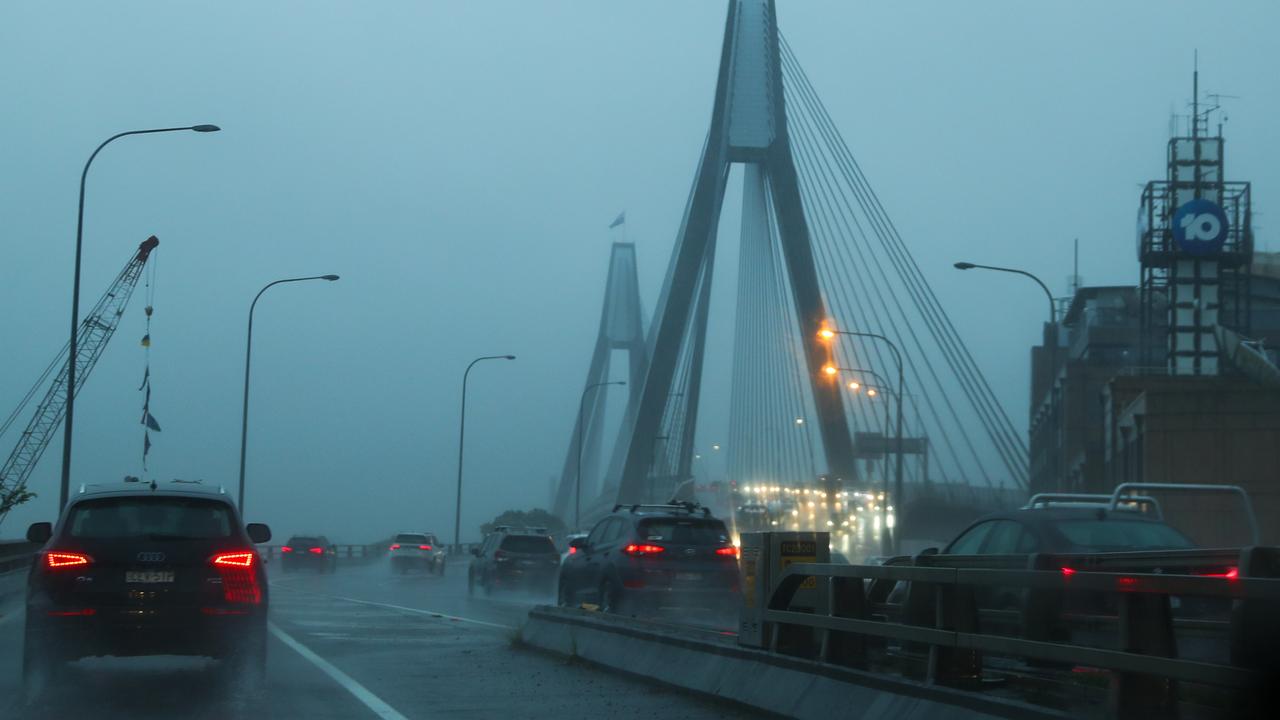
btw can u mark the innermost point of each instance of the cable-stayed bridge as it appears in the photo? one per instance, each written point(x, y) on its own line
point(828, 296)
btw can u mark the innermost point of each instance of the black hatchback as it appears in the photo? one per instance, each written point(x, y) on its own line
point(643, 558)
point(146, 570)
point(514, 560)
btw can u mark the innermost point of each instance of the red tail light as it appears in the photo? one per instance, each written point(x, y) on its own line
point(396, 546)
point(637, 550)
point(316, 551)
point(60, 560)
point(239, 576)
point(84, 612)
point(424, 547)
point(1230, 574)
point(286, 549)
point(1068, 572)
point(572, 549)
point(731, 551)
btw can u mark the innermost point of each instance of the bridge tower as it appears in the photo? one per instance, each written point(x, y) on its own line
point(621, 328)
point(749, 127)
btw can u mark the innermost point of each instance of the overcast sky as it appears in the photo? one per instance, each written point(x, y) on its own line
point(458, 163)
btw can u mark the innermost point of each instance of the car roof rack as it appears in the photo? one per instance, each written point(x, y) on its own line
point(1131, 503)
point(686, 507)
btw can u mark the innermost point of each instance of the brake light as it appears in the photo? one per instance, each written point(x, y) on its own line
point(396, 546)
point(572, 549)
point(59, 560)
point(637, 550)
point(239, 577)
point(1230, 574)
point(424, 547)
point(316, 551)
point(731, 550)
point(286, 549)
point(1068, 572)
point(84, 612)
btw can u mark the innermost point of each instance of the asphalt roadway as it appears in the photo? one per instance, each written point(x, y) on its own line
point(360, 643)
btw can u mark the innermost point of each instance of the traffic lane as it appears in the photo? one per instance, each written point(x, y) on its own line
point(170, 687)
point(431, 665)
point(375, 582)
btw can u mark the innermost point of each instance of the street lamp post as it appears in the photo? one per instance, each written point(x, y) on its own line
point(462, 430)
point(248, 350)
point(884, 503)
point(577, 493)
point(75, 303)
point(1053, 345)
point(827, 333)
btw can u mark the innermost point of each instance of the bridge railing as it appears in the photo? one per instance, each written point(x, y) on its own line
point(941, 617)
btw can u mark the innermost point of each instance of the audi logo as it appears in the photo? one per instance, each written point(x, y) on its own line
point(150, 557)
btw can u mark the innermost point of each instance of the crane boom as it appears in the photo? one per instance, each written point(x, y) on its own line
point(96, 329)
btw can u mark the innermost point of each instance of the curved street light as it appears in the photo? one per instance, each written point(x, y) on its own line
point(828, 333)
point(462, 430)
point(248, 349)
point(75, 302)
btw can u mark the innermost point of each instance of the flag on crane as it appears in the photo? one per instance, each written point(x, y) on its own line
point(620, 220)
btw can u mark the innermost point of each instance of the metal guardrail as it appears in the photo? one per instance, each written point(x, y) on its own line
point(1145, 670)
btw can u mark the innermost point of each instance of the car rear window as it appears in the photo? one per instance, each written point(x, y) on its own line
point(685, 532)
point(157, 518)
point(304, 541)
point(1113, 534)
point(528, 544)
point(412, 539)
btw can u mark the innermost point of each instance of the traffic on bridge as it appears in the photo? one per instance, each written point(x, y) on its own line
point(535, 422)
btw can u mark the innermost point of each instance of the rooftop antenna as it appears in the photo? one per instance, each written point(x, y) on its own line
point(1195, 95)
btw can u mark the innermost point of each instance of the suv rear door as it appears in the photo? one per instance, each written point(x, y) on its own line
point(145, 551)
point(697, 552)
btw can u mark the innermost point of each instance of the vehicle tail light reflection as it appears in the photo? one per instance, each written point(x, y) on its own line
point(730, 551)
point(424, 547)
point(286, 549)
point(239, 577)
point(316, 551)
point(395, 546)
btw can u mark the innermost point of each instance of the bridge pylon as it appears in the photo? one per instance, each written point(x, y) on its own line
point(748, 126)
point(621, 328)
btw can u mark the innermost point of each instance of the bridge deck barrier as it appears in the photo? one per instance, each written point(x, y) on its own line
point(941, 614)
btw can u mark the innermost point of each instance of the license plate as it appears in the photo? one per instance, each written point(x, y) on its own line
point(688, 576)
point(148, 576)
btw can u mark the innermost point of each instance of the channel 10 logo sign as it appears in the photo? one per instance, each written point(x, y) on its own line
point(1200, 228)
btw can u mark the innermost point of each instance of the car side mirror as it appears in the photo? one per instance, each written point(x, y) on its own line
point(40, 532)
point(258, 533)
point(579, 543)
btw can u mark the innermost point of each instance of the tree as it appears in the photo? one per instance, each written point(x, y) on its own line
point(536, 518)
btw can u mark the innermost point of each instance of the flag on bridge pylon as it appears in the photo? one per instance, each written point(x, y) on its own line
point(620, 220)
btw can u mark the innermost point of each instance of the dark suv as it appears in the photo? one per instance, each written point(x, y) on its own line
point(145, 570)
point(313, 552)
point(514, 560)
point(645, 557)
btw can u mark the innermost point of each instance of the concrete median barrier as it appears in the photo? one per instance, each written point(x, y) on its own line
point(706, 662)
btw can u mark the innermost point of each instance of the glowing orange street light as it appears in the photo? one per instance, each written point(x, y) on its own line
point(854, 385)
point(871, 392)
point(830, 369)
point(826, 333)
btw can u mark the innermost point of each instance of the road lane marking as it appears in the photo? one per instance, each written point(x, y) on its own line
point(428, 613)
point(360, 692)
point(402, 608)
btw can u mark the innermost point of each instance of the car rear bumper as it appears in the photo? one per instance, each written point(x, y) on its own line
point(213, 632)
point(525, 577)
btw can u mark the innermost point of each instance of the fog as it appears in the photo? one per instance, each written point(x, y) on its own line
point(458, 165)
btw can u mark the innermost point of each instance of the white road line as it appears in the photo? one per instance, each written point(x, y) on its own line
point(428, 613)
point(360, 692)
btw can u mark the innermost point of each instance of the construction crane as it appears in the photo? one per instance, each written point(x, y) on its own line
point(96, 329)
